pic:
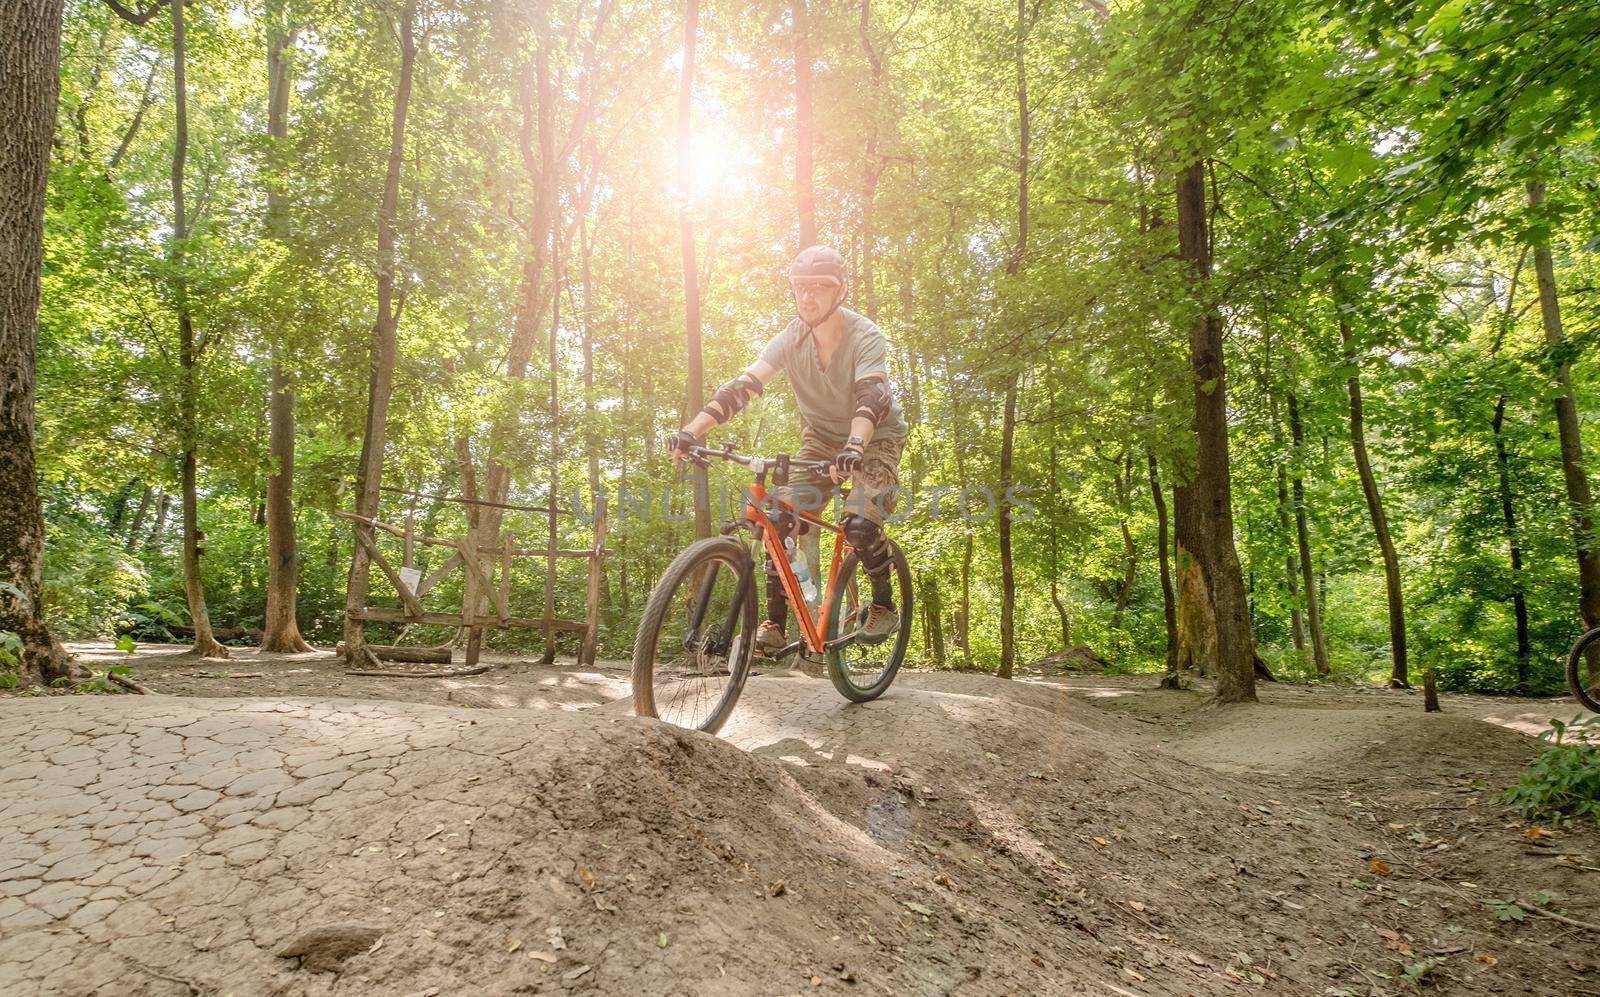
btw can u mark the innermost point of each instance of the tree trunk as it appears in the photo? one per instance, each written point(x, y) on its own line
point(1319, 644)
point(1214, 554)
point(281, 631)
point(554, 414)
point(1291, 570)
point(805, 196)
point(1008, 579)
point(695, 394)
point(1398, 678)
point(29, 89)
point(163, 509)
point(932, 617)
point(382, 350)
point(142, 513)
point(869, 168)
point(1519, 603)
point(1169, 600)
point(1055, 528)
point(1580, 500)
point(1123, 479)
point(189, 351)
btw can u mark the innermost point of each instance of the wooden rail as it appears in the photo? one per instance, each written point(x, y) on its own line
point(488, 569)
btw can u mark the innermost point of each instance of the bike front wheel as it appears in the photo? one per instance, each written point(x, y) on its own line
point(1585, 684)
point(692, 652)
point(863, 672)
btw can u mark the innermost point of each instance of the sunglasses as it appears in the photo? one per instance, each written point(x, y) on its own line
point(813, 288)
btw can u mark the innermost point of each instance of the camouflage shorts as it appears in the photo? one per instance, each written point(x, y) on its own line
point(874, 490)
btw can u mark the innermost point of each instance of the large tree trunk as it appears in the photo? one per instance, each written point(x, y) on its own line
point(1169, 599)
point(695, 392)
point(189, 351)
point(1008, 578)
point(29, 87)
point(1216, 561)
point(381, 353)
point(805, 196)
point(281, 631)
point(1580, 500)
point(1319, 644)
point(869, 168)
point(1519, 602)
point(1398, 678)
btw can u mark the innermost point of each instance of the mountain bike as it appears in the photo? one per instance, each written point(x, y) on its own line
point(696, 640)
point(1587, 691)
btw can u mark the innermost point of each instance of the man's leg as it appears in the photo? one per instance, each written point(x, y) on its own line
point(805, 491)
point(873, 495)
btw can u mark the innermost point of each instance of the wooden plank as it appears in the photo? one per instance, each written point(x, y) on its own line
point(505, 573)
point(437, 574)
point(383, 614)
point(413, 605)
point(543, 552)
point(501, 611)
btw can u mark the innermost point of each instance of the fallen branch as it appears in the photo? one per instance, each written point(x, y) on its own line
point(447, 674)
point(413, 655)
point(1531, 909)
point(129, 684)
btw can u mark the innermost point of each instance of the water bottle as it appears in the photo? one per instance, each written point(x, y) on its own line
point(802, 573)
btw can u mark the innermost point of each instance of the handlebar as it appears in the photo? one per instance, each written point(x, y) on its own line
point(702, 455)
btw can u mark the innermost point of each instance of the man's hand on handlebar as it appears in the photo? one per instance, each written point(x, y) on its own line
point(847, 462)
point(679, 444)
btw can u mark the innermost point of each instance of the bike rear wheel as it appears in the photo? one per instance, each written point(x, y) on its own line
point(692, 652)
point(863, 672)
point(1578, 680)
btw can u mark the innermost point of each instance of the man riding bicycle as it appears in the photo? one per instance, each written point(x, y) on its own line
point(837, 363)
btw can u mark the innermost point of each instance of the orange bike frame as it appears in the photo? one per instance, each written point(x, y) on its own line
point(812, 628)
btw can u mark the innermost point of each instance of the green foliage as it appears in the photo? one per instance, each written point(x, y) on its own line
point(1420, 972)
point(10, 657)
point(1365, 166)
point(1563, 781)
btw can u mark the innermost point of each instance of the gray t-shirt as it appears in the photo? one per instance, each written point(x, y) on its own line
point(827, 397)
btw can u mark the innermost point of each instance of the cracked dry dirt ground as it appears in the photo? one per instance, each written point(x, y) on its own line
point(962, 835)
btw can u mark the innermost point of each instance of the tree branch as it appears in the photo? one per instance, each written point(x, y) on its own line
point(140, 18)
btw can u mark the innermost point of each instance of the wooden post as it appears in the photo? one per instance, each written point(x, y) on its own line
point(1430, 693)
point(469, 600)
point(586, 653)
point(506, 552)
point(411, 538)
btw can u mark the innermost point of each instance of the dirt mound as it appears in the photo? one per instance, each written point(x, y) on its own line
point(960, 835)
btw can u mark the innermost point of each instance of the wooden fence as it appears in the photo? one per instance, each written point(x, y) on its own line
point(488, 571)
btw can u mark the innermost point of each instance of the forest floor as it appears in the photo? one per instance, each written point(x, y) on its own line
point(271, 825)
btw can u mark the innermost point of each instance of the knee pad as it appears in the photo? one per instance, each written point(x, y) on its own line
point(872, 547)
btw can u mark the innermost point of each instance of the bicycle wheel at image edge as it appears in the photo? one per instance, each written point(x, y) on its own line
point(863, 672)
point(1587, 690)
point(692, 652)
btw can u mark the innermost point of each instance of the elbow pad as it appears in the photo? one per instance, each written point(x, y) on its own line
point(872, 400)
point(732, 397)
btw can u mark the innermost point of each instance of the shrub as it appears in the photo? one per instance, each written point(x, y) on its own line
point(1563, 782)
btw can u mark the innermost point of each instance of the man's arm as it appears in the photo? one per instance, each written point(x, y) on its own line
point(728, 401)
point(872, 405)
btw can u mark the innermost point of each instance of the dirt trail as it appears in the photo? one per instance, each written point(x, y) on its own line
point(961, 836)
